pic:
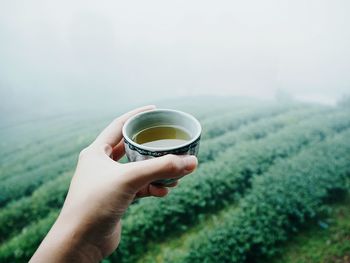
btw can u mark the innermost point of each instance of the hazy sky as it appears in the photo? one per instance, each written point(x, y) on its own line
point(66, 53)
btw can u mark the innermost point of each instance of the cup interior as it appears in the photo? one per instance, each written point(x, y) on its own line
point(160, 117)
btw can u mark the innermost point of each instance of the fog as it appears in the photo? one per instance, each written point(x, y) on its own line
point(69, 55)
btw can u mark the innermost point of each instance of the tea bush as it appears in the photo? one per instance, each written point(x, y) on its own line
point(52, 162)
point(290, 194)
point(18, 214)
point(21, 247)
point(217, 183)
point(21, 213)
point(243, 149)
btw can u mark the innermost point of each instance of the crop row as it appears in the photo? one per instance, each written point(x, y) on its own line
point(291, 194)
point(229, 121)
point(42, 133)
point(30, 158)
point(218, 183)
point(256, 130)
point(18, 214)
point(49, 166)
point(24, 185)
point(34, 239)
point(22, 247)
point(22, 137)
point(21, 213)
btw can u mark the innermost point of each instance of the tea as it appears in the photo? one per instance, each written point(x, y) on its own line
point(162, 136)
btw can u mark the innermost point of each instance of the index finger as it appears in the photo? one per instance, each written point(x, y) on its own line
point(112, 134)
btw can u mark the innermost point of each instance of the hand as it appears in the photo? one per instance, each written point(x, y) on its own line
point(89, 225)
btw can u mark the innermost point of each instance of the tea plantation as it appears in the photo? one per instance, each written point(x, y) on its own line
point(268, 171)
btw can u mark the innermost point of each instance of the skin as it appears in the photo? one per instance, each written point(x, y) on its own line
point(89, 225)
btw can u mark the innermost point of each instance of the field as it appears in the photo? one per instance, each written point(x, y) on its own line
point(272, 185)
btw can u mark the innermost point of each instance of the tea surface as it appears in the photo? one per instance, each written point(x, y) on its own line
point(162, 136)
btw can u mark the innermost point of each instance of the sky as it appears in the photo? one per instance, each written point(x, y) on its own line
point(88, 54)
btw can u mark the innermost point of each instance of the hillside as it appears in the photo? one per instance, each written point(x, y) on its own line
point(268, 171)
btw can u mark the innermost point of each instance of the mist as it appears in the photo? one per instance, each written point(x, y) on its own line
point(70, 55)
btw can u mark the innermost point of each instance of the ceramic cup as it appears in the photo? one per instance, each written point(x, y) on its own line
point(160, 117)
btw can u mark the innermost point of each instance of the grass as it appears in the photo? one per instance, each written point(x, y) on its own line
point(323, 242)
point(176, 244)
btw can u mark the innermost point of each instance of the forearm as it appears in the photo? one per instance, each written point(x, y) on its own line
point(65, 243)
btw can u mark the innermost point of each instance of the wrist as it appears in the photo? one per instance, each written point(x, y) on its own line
point(74, 234)
point(66, 242)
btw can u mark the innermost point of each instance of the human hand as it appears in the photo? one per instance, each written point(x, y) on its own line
point(89, 225)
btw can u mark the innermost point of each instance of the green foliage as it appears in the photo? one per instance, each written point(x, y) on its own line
point(228, 121)
point(43, 166)
point(319, 244)
point(280, 202)
point(49, 197)
point(239, 143)
point(215, 184)
point(36, 205)
point(255, 129)
point(23, 185)
point(21, 247)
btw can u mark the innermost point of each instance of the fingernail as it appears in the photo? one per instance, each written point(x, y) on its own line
point(190, 162)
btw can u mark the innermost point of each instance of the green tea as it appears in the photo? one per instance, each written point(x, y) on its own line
point(162, 136)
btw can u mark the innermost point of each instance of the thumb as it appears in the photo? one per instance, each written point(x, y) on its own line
point(168, 166)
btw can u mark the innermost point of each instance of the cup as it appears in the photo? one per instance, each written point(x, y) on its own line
point(161, 117)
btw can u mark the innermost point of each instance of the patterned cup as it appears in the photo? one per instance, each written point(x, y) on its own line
point(161, 117)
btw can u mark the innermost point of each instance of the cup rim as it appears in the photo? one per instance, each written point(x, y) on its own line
point(160, 149)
